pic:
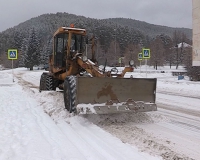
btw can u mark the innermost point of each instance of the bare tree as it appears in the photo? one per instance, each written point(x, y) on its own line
point(169, 54)
point(131, 53)
point(157, 52)
point(114, 53)
point(176, 41)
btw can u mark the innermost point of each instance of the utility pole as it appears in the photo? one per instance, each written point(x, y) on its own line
point(176, 56)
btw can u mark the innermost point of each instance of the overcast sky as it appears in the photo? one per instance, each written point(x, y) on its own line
point(172, 13)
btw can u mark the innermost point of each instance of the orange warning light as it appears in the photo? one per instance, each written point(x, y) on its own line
point(72, 25)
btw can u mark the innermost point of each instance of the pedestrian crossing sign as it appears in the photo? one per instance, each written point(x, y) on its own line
point(146, 53)
point(139, 56)
point(12, 54)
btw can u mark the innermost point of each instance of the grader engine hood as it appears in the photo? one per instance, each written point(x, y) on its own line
point(113, 95)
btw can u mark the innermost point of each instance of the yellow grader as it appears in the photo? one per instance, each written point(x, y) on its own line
point(88, 88)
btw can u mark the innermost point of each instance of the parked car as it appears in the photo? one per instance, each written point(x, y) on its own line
point(46, 67)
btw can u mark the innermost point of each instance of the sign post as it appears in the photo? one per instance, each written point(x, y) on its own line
point(120, 61)
point(140, 59)
point(146, 55)
point(12, 54)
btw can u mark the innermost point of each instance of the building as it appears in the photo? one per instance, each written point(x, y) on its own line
point(196, 32)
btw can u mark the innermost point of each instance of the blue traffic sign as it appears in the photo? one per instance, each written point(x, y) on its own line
point(146, 53)
point(12, 54)
point(139, 56)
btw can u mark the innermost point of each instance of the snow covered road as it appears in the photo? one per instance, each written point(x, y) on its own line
point(28, 133)
point(31, 121)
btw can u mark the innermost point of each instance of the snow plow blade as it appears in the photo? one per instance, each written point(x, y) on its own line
point(114, 95)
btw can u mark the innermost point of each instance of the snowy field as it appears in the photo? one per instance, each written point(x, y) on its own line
point(35, 126)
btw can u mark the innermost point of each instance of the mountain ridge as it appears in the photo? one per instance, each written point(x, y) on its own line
point(152, 30)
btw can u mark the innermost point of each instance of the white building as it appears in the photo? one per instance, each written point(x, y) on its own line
point(196, 32)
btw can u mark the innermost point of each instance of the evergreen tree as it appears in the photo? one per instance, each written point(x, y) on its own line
point(46, 51)
point(17, 40)
point(23, 52)
point(31, 56)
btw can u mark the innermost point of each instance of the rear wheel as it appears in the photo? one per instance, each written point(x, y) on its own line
point(47, 83)
point(50, 83)
point(70, 93)
point(42, 82)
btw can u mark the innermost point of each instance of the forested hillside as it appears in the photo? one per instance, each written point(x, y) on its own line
point(115, 38)
point(151, 30)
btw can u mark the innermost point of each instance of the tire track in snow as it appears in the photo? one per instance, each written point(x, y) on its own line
point(178, 94)
point(178, 109)
point(131, 125)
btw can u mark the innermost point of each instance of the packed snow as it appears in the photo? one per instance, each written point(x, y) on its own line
point(35, 126)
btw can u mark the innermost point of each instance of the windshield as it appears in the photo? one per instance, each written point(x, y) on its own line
point(76, 43)
point(60, 42)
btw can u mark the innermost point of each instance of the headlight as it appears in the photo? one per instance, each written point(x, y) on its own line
point(84, 58)
point(131, 62)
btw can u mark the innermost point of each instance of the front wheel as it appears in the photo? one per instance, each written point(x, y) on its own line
point(70, 93)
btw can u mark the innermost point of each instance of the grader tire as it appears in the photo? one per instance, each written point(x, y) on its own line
point(50, 85)
point(47, 83)
point(70, 93)
point(42, 82)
